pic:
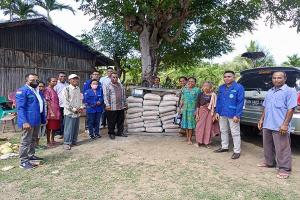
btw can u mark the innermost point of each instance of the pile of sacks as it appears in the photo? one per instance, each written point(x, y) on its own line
point(152, 114)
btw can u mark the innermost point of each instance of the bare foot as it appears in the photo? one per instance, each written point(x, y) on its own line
point(190, 142)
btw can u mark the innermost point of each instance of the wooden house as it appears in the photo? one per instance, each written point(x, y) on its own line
point(38, 46)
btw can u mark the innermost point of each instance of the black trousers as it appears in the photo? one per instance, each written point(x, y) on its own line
point(114, 118)
point(61, 130)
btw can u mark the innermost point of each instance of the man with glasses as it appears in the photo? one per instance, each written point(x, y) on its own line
point(31, 114)
point(95, 75)
point(229, 109)
point(61, 84)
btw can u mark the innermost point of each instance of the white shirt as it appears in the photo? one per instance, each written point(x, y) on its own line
point(58, 89)
point(38, 96)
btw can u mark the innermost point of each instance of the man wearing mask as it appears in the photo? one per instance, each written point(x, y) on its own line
point(31, 114)
point(114, 99)
point(61, 84)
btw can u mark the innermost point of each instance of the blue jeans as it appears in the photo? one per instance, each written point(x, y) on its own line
point(93, 121)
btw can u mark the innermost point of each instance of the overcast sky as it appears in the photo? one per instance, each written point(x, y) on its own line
point(280, 40)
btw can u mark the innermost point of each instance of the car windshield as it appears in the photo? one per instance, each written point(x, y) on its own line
point(263, 82)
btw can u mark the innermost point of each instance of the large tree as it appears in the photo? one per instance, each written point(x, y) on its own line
point(51, 5)
point(195, 28)
point(111, 37)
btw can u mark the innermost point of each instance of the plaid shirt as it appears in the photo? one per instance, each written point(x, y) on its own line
point(114, 96)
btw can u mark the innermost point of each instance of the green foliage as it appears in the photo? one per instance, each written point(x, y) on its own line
point(51, 5)
point(19, 9)
point(204, 31)
point(293, 60)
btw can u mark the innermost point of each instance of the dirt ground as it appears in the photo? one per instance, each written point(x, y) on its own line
point(148, 167)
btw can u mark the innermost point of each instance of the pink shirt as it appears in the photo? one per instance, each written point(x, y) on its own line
point(53, 104)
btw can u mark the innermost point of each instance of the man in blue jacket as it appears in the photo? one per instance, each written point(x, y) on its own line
point(93, 99)
point(230, 103)
point(31, 114)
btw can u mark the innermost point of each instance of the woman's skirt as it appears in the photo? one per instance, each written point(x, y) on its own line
point(206, 128)
point(53, 124)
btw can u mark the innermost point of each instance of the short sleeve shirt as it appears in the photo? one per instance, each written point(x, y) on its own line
point(277, 102)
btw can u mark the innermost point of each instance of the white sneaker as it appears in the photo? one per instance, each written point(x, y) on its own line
point(87, 131)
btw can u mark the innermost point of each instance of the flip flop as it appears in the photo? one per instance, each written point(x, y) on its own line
point(282, 175)
point(264, 165)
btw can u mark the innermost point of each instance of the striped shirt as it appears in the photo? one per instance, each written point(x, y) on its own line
point(114, 96)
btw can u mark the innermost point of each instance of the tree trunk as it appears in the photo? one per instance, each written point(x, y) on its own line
point(117, 62)
point(149, 57)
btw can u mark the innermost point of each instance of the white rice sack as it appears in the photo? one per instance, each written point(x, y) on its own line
point(170, 97)
point(168, 117)
point(150, 108)
point(134, 105)
point(150, 103)
point(150, 113)
point(133, 115)
point(135, 125)
point(167, 109)
point(154, 97)
point(170, 121)
point(170, 126)
point(172, 130)
point(150, 118)
point(136, 130)
point(134, 120)
point(167, 113)
point(132, 99)
point(134, 110)
point(167, 103)
point(155, 124)
point(154, 129)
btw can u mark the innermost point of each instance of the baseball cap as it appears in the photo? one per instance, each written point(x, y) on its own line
point(71, 76)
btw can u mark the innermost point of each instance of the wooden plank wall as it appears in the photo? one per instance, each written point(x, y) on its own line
point(14, 65)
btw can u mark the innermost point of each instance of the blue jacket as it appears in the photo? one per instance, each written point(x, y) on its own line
point(90, 100)
point(86, 85)
point(28, 107)
point(230, 101)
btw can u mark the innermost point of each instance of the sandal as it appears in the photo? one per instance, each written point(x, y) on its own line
point(264, 165)
point(283, 175)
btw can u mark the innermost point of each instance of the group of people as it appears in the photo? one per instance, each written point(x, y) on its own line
point(209, 114)
point(56, 109)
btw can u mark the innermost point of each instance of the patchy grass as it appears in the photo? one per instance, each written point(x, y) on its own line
point(110, 175)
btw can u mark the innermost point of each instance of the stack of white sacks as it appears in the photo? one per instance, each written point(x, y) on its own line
point(135, 122)
point(167, 113)
point(152, 114)
point(151, 118)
